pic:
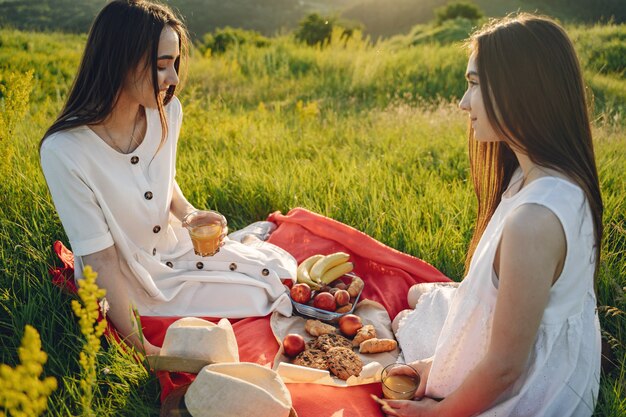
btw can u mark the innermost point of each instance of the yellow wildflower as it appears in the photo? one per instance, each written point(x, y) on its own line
point(22, 393)
point(88, 312)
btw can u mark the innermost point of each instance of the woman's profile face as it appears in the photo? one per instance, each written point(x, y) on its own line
point(472, 102)
point(138, 84)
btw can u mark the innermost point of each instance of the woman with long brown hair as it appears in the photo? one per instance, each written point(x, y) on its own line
point(521, 337)
point(110, 163)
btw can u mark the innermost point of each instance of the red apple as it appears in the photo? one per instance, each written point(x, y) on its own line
point(342, 297)
point(350, 324)
point(324, 301)
point(300, 293)
point(293, 344)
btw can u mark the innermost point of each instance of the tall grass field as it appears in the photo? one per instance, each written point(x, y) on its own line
point(368, 134)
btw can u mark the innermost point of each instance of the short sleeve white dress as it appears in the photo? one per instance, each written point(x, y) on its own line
point(563, 371)
point(104, 197)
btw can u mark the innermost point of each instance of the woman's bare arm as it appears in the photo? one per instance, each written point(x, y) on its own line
point(532, 251)
point(179, 206)
point(111, 277)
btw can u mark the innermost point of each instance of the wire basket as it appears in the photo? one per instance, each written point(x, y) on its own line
point(324, 315)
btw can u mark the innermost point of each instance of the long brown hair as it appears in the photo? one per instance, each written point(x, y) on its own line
point(124, 34)
point(532, 87)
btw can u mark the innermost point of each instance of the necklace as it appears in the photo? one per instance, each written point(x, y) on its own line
point(132, 135)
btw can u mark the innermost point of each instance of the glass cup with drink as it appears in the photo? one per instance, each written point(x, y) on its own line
point(207, 229)
point(399, 381)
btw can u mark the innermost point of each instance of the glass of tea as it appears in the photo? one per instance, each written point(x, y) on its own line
point(207, 229)
point(399, 381)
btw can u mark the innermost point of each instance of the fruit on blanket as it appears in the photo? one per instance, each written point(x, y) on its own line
point(324, 288)
point(350, 324)
point(342, 297)
point(341, 285)
point(336, 271)
point(303, 271)
point(319, 271)
point(326, 263)
point(293, 344)
point(356, 286)
point(324, 301)
point(300, 293)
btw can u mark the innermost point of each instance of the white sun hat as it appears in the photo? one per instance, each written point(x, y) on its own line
point(194, 338)
point(238, 389)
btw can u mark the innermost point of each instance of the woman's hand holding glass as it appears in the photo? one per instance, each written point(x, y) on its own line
point(207, 230)
point(418, 405)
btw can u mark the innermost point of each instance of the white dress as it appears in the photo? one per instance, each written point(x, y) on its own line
point(563, 371)
point(104, 197)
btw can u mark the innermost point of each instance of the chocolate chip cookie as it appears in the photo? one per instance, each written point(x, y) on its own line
point(330, 340)
point(312, 358)
point(343, 362)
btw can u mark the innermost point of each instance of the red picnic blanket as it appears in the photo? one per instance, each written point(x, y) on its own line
point(388, 274)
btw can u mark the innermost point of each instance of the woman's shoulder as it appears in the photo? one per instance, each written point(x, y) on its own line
point(532, 220)
point(554, 189)
point(64, 145)
point(550, 203)
point(174, 106)
point(174, 103)
point(63, 138)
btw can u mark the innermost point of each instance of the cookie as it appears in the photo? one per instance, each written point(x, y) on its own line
point(312, 358)
point(343, 362)
point(330, 340)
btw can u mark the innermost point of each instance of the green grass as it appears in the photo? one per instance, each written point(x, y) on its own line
point(376, 143)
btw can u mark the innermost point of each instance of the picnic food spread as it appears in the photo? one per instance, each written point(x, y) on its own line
point(332, 338)
point(333, 351)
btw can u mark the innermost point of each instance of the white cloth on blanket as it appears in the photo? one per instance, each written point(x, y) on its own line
point(426, 320)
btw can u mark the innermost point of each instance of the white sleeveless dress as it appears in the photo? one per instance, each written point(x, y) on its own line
point(563, 371)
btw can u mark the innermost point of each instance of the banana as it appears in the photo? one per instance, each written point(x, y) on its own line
point(327, 262)
point(314, 285)
point(336, 271)
point(303, 271)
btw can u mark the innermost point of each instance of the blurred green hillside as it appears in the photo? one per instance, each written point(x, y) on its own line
point(421, 66)
point(380, 18)
point(389, 17)
point(201, 16)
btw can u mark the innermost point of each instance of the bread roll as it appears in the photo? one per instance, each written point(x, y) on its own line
point(377, 345)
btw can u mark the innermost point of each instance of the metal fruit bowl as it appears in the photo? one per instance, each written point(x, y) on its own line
point(324, 315)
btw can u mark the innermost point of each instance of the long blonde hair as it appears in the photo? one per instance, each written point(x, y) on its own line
point(532, 87)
